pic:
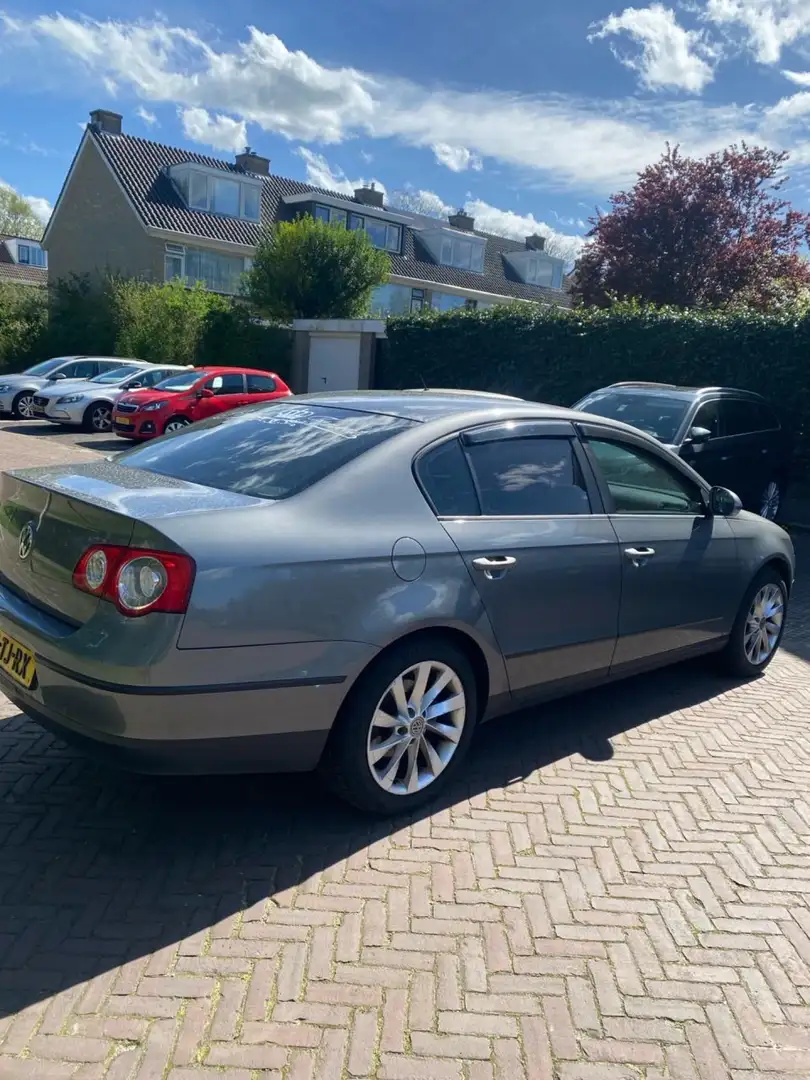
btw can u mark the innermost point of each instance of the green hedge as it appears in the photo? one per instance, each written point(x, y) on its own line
point(557, 356)
point(164, 323)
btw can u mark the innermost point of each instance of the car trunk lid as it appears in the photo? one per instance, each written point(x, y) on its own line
point(50, 516)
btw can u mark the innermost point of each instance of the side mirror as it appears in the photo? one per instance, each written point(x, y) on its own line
point(134, 386)
point(698, 436)
point(206, 392)
point(55, 378)
point(724, 503)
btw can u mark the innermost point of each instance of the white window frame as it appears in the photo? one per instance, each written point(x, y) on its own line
point(178, 252)
point(182, 174)
point(360, 221)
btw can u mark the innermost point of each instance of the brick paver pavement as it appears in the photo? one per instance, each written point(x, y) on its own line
point(619, 887)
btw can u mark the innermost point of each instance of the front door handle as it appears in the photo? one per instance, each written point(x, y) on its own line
point(638, 556)
point(494, 566)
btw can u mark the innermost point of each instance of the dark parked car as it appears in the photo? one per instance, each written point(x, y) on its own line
point(733, 438)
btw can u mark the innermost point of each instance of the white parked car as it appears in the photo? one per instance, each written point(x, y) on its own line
point(17, 391)
point(89, 404)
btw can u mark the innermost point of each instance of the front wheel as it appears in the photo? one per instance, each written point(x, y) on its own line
point(405, 729)
point(98, 418)
point(759, 626)
point(177, 423)
point(23, 406)
point(770, 500)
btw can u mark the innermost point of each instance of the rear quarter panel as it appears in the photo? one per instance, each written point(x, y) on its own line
point(319, 567)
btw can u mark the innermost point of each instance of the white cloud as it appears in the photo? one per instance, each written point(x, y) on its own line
point(518, 226)
point(323, 175)
point(670, 57)
point(148, 118)
point(456, 158)
point(221, 132)
point(591, 146)
point(40, 206)
point(769, 26)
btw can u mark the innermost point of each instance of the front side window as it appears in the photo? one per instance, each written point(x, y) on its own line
point(179, 381)
point(151, 376)
point(708, 417)
point(446, 480)
point(270, 452)
point(528, 477)
point(642, 483)
point(226, 384)
point(82, 369)
point(658, 415)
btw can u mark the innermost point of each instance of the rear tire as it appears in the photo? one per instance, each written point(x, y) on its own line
point(759, 626)
point(23, 406)
point(407, 724)
point(98, 418)
point(175, 423)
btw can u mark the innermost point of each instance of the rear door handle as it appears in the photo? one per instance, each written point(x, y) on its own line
point(494, 566)
point(637, 556)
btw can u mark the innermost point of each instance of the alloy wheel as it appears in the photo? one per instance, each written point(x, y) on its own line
point(175, 425)
point(416, 728)
point(763, 624)
point(101, 418)
point(25, 407)
point(771, 501)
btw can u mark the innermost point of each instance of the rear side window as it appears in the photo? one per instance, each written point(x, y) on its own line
point(446, 480)
point(268, 451)
point(261, 384)
point(528, 477)
point(744, 417)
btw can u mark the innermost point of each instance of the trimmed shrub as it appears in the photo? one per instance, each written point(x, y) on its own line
point(557, 356)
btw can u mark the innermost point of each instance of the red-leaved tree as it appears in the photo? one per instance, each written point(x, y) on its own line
point(699, 233)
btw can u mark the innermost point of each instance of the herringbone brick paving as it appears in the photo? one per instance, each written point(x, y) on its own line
point(618, 888)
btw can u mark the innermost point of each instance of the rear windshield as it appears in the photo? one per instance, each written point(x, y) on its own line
point(180, 382)
point(270, 452)
point(656, 414)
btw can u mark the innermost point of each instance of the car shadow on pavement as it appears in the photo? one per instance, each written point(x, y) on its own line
point(99, 868)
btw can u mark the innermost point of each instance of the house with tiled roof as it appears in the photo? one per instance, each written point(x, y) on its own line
point(22, 261)
point(138, 208)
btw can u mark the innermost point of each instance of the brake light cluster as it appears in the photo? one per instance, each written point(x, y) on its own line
point(136, 580)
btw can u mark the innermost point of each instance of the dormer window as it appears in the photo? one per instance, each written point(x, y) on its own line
point(537, 268)
point(451, 248)
point(218, 192)
point(31, 255)
point(382, 235)
point(539, 271)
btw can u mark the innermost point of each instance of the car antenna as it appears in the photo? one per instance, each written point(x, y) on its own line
point(422, 381)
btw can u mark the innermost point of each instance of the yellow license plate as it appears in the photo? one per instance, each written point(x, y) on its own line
point(16, 660)
point(124, 421)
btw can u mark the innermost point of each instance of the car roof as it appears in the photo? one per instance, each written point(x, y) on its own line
point(671, 390)
point(426, 404)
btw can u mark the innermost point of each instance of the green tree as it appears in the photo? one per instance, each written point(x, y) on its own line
point(161, 323)
point(17, 217)
point(307, 269)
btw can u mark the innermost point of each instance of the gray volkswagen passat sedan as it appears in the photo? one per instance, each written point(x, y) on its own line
point(354, 581)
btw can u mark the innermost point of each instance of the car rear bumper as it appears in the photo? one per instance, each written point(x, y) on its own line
point(279, 751)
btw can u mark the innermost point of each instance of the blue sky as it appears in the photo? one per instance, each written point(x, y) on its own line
point(530, 114)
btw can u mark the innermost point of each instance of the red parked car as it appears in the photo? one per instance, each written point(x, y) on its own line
point(193, 395)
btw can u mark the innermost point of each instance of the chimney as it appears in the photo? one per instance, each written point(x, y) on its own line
point(104, 120)
point(369, 195)
point(462, 220)
point(535, 242)
point(254, 163)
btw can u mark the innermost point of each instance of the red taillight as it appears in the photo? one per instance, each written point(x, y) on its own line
point(136, 580)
